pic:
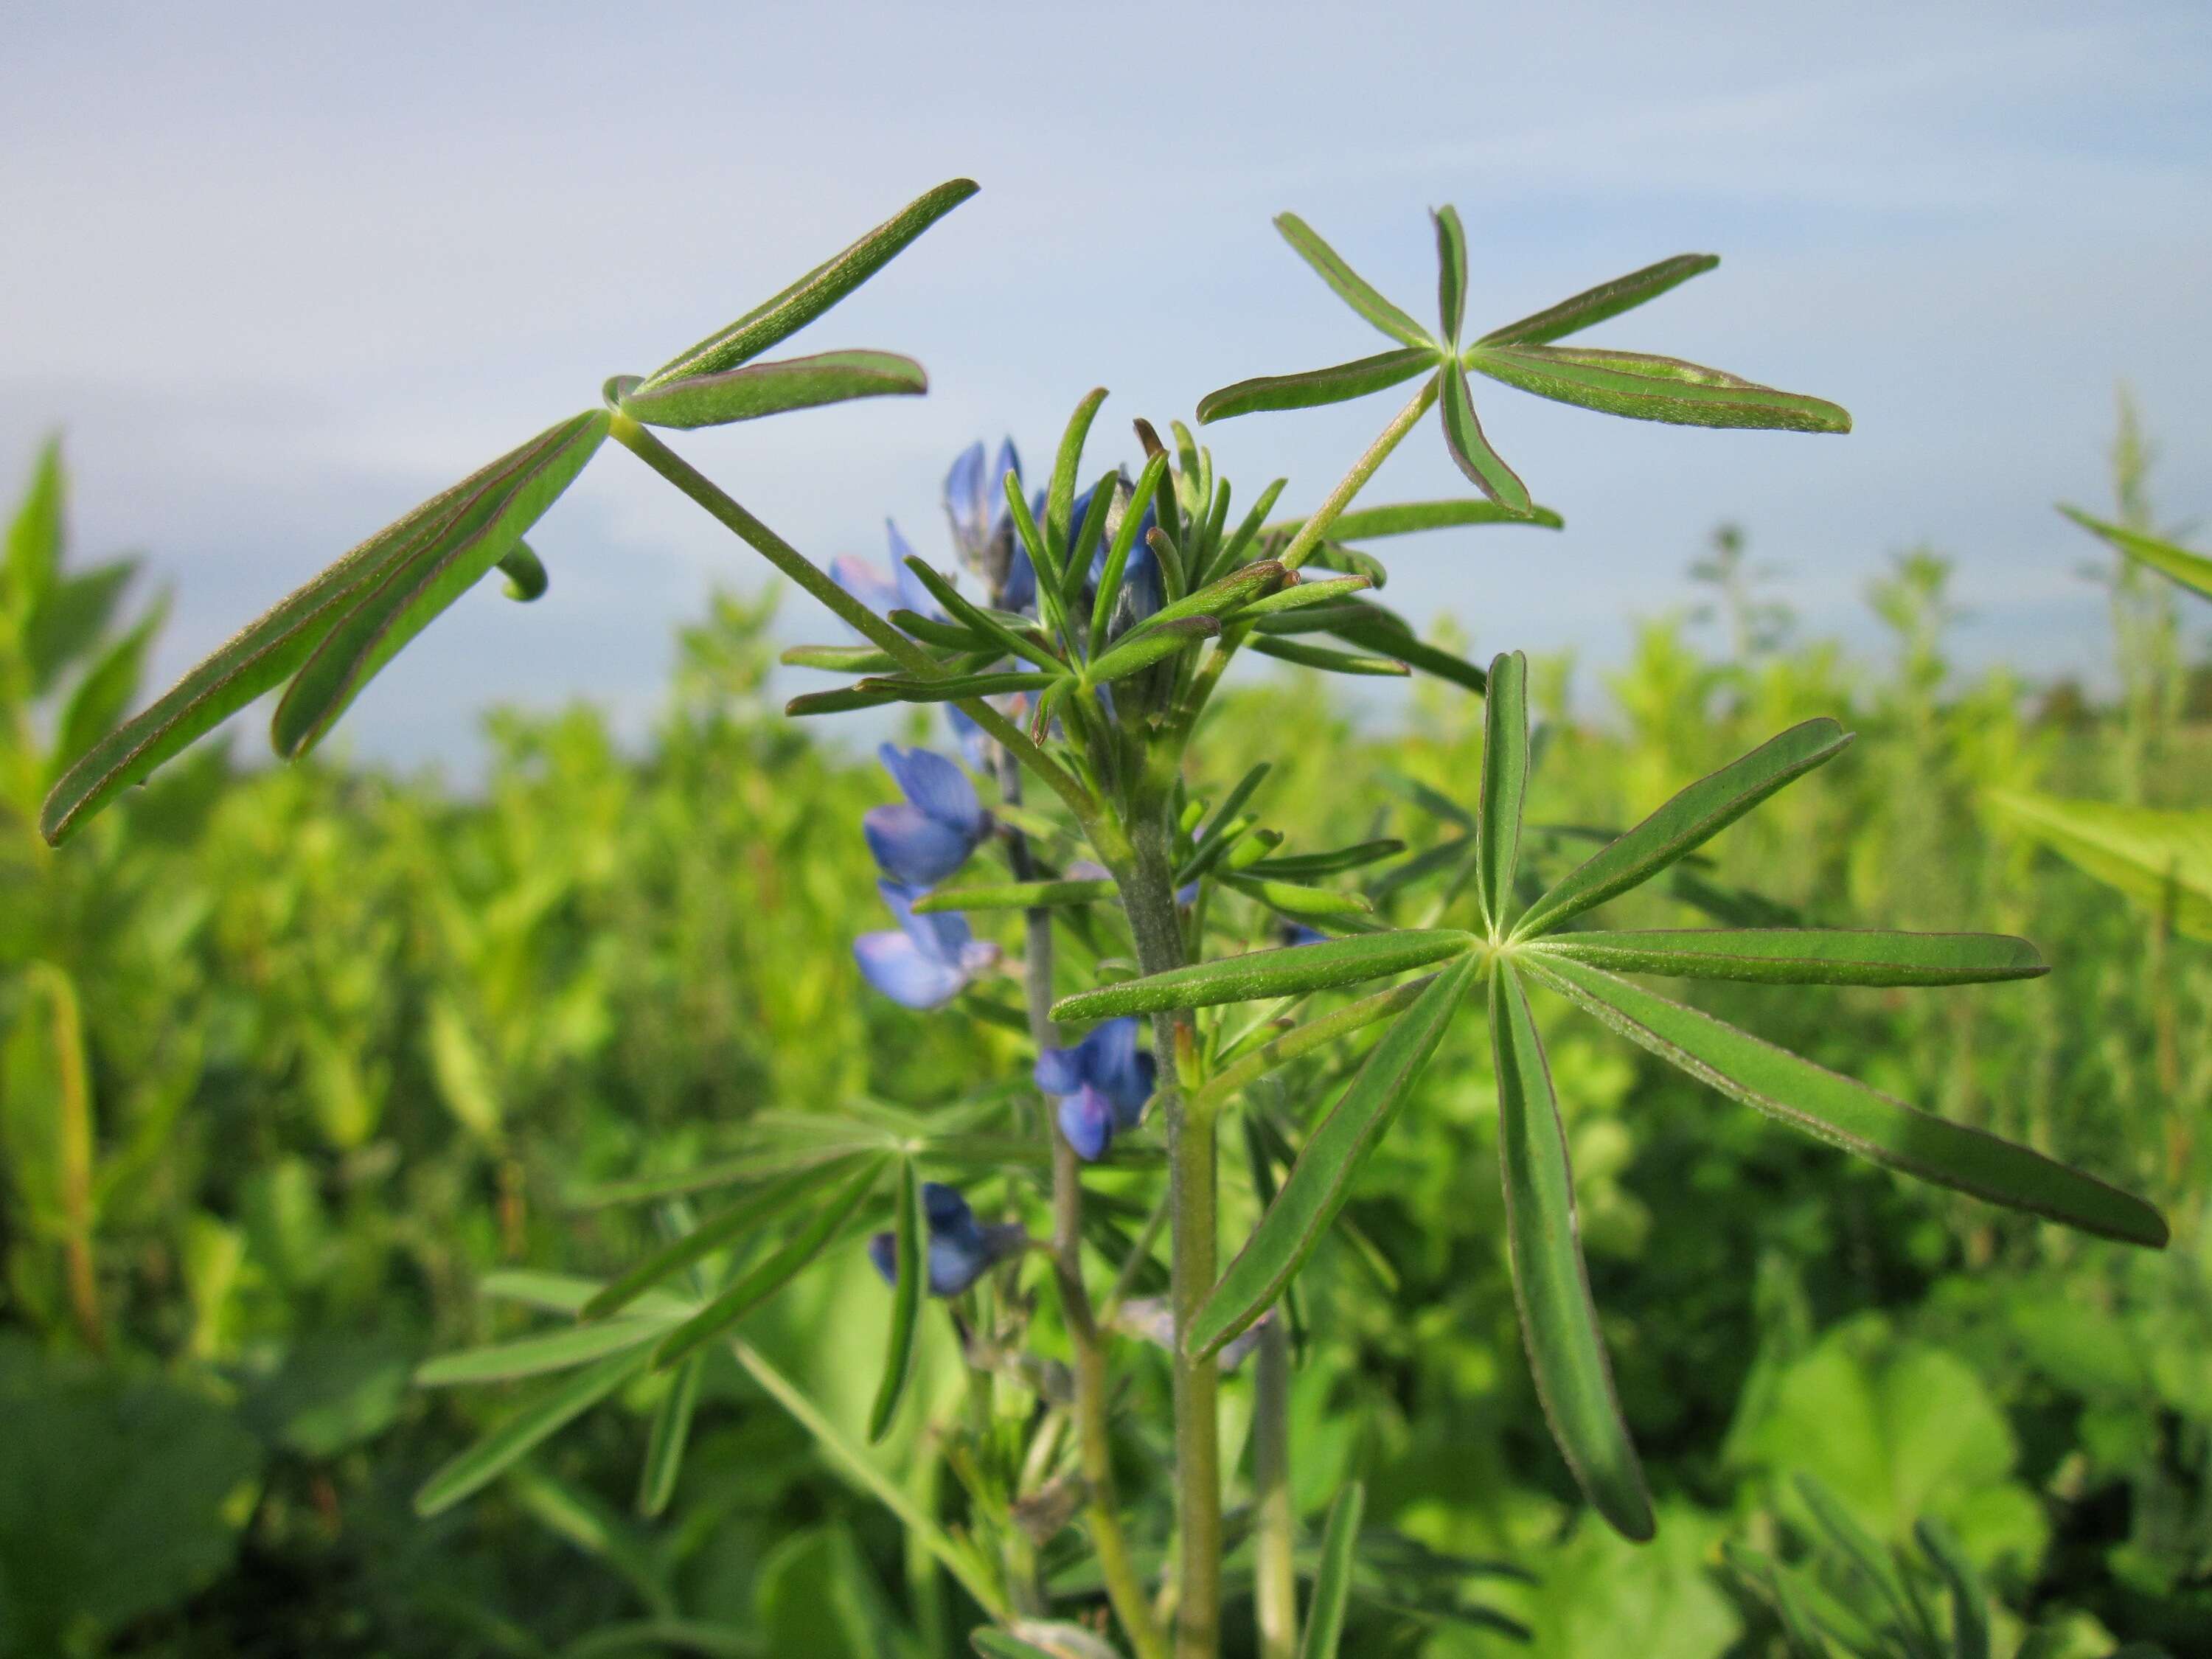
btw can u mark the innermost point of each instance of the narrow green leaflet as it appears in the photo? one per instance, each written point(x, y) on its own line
point(2159, 857)
point(1332, 592)
point(755, 1210)
point(1451, 272)
point(262, 654)
point(1231, 594)
point(1231, 1080)
point(1311, 388)
point(567, 1293)
point(527, 580)
point(1015, 895)
point(1504, 782)
point(1289, 971)
point(1406, 518)
point(979, 620)
point(2192, 570)
point(1331, 1157)
point(1642, 387)
point(533, 1356)
point(670, 1433)
point(1804, 955)
point(1124, 537)
point(1140, 651)
point(1693, 817)
point(1379, 636)
point(1847, 1113)
point(1350, 286)
point(747, 392)
point(956, 688)
point(399, 602)
point(909, 1286)
point(764, 1279)
point(1303, 866)
point(1059, 496)
point(1294, 899)
point(528, 1429)
point(1551, 1284)
point(1328, 662)
point(1863, 1549)
point(1332, 1591)
point(788, 312)
point(1594, 305)
point(1970, 1603)
point(1483, 465)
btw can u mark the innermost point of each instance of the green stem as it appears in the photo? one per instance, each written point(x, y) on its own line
point(1125, 1587)
point(1147, 882)
point(796, 565)
point(1331, 508)
point(1274, 1521)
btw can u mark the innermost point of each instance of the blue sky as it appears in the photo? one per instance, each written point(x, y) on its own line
point(278, 272)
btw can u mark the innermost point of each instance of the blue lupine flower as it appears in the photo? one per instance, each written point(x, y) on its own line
point(899, 590)
point(982, 528)
point(961, 1248)
point(921, 840)
point(928, 961)
point(1297, 932)
point(1102, 1085)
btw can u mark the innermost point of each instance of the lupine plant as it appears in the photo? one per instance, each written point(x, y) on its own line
point(1121, 884)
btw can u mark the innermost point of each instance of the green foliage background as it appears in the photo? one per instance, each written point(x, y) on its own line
point(288, 1059)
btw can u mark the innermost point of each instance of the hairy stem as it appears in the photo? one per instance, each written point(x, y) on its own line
point(1125, 1588)
point(796, 565)
point(1332, 508)
point(1274, 1522)
point(1147, 882)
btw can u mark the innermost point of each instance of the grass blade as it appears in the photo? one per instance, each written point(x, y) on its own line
point(1804, 955)
point(1332, 1591)
point(533, 1356)
point(1594, 305)
point(908, 1289)
point(525, 1429)
point(396, 605)
point(670, 1433)
point(1289, 971)
point(1641, 387)
point(752, 389)
point(1693, 817)
point(1848, 1113)
point(1451, 272)
point(1348, 284)
point(1551, 1284)
point(1332, 1157)
point(764, 1279)
point(787, 312)
point(2192, 570)
point(1311, 388)
point(1504, 783)
point(1483, 465)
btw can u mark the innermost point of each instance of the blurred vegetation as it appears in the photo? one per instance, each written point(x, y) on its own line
point(288, 1060)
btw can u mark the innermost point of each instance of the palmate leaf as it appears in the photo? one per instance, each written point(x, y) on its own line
point(1333, 1155)
point(2192, 570)
point(1848, 1113)
point(1641, 387)
point(787, 312)
point(1312, 388)
point(268, 650)
point(753, 390)
point(401, 601)
point(1559, 1322)
point(1289, 971)
point(1685, 823)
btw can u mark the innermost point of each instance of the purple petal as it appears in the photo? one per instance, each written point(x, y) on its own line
point(935, 785)
point(912, 594)
point(1020, 591)
point(1009, 460)
point(1086, 1119)
point(970, 735)
point(865, 583)
point(942, 938)
point(966, 502)
point(1115, 1063)
point(913, 848)
point(897, 967)
point(1058, 1070)
point(882, 1250)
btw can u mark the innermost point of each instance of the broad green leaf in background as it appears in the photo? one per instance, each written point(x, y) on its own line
point(1566, 1352)
point(1333, 1152)
point(1846, 1114)
point(2159, 857)
point(1284, 972)
point(1332, 1590)
point(787, 312)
